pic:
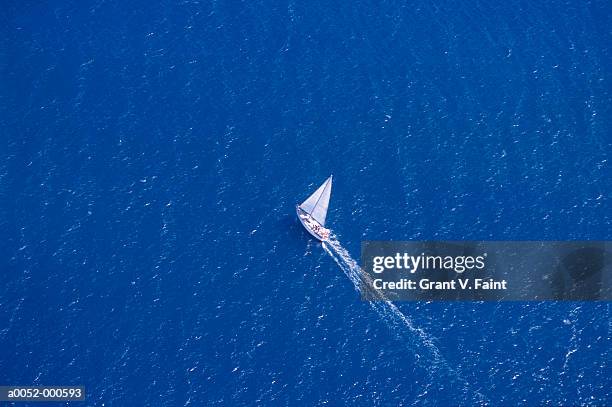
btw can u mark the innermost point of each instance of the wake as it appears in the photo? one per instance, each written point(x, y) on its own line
point(401, 324)
point(382, 305)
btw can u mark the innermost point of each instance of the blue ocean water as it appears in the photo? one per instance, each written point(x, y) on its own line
point(152, 154)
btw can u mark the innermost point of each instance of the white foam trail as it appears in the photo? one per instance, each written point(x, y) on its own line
point(383, 306)
point(392, 315)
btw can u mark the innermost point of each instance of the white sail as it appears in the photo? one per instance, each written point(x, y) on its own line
point(317, 203)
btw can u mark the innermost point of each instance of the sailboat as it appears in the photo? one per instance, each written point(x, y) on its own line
point(313, 211)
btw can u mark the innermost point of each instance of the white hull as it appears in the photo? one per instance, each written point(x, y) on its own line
point(310, 225)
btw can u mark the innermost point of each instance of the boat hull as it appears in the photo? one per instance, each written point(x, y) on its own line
point(307, 222)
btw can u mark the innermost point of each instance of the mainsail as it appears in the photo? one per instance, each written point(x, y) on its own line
point(317, 203)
